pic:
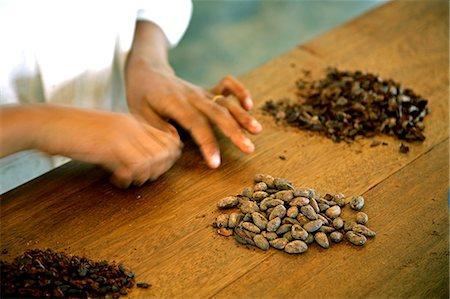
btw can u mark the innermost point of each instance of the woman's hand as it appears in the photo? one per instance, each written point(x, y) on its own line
point(152, 91)
point(155, 93)
point(132, 150)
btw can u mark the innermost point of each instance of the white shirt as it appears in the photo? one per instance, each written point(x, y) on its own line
point(73, 51)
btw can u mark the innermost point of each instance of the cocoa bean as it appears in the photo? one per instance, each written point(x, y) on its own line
point(312, 226)
point(259, 220)
point(221, 221)
point(357, 203)
point(336, 237)
point(273, 224)
point(299, 201)
point(248, 207)
point(283, 229)
point(322, 239)
point(261, 242)
point(355, 238)
point(234, 219)
point(333, 212)
point(363, 230)
point(259, 195)
point(283, 184)
point(228, 202)
point(362, 218)
point(298, 232)
point(296, 246)
point(338, 223)
point(292, 212)
point(279, 243)
point(309, 212)
point(278, 211)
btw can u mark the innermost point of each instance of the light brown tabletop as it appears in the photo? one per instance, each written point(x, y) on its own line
point(163, 230)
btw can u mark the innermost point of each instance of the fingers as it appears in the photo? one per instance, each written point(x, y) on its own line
point(200, 129)
point(227, 124)
point(230, 85)
point(244, 119)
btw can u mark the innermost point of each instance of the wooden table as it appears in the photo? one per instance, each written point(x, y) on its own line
point(163, 229)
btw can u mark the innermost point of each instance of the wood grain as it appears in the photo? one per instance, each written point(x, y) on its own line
point(163, 231)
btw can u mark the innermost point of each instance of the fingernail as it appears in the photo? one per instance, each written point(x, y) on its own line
point(256, 125)
point(248, 103)
point(214, 160)
point(249, 144)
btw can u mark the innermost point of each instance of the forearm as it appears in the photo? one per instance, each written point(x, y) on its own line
point(150, 47)
point(19, 125)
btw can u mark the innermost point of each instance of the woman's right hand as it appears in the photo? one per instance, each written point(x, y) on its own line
point(132, 150)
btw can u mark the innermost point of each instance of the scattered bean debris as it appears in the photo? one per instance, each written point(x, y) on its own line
point(4, 251)
point(282, 157)
point(143, 285)
point(375, 143)
point(403, 148)
point(275, 213)
point(347, 104)
point(46, 273)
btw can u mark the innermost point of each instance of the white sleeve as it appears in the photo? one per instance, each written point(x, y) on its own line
point(172, 16)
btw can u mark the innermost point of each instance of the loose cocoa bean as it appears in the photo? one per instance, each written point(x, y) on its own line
point(305, 192)
point(296, 246)
point(285, 195)
point(298, 232)
point(299, 201)
point(259, 195)
point(292, 212)
point(355, 238)
point(225, 232)
point(242, 237)
point(273, 224)
point(309, 212)
point(269, 203)
point(357, 203)
point(339, 198)
point(338, 223)
point(248, 207)
point(248, 192)
point(250, 227)
point(362, 218)
point(312, 226)
point(228, 202)
point(261, 242)
point(221, 221)
point(283, 184)
point(322, 239)
point(259, 220)
point(235, 219)
point(336, 237)
point(313, 203)
point(278, 211)
point(363, 230)
point(333, 212)
point(279, 243)
point(261, 186)
point(283, 229)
